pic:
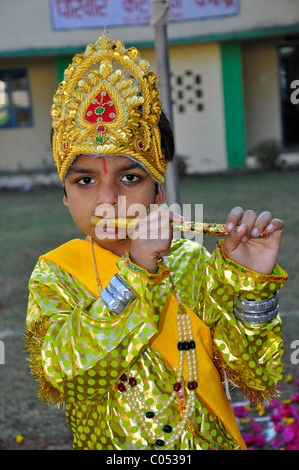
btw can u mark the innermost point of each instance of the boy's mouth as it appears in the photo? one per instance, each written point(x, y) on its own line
point(109, 228)
point(119, 222)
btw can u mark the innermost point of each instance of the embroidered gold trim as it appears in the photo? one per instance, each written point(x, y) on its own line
point(99, 110)
point(33, 342)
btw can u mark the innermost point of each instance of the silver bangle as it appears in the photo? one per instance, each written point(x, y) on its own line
point(116, 295)
point(252, 307)
point(123, 289)
point(264, 317)
point(115, 305)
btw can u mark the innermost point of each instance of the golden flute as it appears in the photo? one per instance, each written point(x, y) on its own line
point(181, 227)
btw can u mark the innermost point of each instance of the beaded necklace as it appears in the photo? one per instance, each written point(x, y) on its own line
point(95, 265)
point(133, 396)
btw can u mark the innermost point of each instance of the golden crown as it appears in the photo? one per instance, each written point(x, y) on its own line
point(108, 110)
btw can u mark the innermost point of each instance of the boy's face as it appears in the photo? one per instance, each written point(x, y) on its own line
point(109, 187)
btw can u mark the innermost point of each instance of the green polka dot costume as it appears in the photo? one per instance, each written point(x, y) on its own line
point(80, 351)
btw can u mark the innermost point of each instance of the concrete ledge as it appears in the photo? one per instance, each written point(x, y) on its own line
point(26, 182)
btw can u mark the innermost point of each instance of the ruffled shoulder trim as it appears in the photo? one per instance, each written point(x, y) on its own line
point(33, 342)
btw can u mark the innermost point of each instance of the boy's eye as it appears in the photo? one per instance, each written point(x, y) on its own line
point(130, 178)
point(86, 180)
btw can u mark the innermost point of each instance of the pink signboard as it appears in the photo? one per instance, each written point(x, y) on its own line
point(70, 14)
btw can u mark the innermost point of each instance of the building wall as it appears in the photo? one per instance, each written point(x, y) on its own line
point(199, 124)
point(26, 25)
point(224, 72)
point(261, 91)
point(29, 147)
point(196, 118)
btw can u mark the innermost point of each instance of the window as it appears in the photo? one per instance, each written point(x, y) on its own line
point(15, 103)
point(187, 91)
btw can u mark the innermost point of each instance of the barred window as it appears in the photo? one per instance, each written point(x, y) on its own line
point(187, 91)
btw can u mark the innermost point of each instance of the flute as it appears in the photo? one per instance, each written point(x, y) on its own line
point(181, 227)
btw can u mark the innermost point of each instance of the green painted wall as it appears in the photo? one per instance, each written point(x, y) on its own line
point(233, 103)
point(62, 62)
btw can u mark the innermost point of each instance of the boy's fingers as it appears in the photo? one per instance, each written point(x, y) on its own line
point(235, 237)
point(238, 217)
point(260, 223)
point(275, 225)
point(234, 217)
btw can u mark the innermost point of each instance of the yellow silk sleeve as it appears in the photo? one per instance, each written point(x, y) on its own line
point(250, 354)
point(78, 349)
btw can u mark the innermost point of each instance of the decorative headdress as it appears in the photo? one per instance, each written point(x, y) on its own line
point(111, 109)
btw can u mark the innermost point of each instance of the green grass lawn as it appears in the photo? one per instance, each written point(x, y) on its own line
point(35, 222)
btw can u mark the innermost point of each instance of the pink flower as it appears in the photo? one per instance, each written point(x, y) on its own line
point(275, 418)
point(295, 398)
point(251, 439)
point(273, 405)
point(288, 434)
point(276, 443)
point(260, 441)
point(256, 428)
point(279, 428)
point(292, 446)
point(240, 411)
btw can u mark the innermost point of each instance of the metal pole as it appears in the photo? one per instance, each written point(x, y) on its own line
point(159, 22)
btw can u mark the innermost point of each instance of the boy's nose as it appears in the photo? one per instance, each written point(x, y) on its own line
point(107, 194)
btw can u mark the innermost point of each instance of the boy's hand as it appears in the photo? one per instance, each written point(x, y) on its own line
point(151, 238)
point(257, 254)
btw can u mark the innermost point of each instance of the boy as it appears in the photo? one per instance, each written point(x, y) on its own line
point(135, 347)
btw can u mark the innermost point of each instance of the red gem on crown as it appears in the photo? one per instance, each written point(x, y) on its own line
point(101, 106)
point(140, 145)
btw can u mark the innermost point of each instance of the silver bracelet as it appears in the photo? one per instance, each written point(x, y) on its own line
point(117, 295)
point(122, 288)
point(261, 306)
point(256, 318)
point(261, 311)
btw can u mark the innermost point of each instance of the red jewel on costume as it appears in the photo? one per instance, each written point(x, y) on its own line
point(192, 385)
point(132, 381)
point(121, 387)
point(101, 109)
point(177, 386)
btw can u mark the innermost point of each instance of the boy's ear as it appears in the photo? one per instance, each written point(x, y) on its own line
point(160, 195)
point(65, 201)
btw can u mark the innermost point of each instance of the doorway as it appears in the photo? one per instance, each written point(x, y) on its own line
point(288, 74)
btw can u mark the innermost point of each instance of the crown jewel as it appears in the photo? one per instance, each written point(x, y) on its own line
point(108, 104)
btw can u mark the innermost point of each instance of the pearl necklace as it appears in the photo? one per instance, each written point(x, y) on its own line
point(133, 396)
